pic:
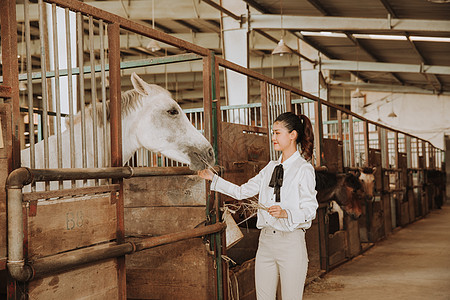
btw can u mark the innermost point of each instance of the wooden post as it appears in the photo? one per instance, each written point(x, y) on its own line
point(288, 101)
point(116, 142)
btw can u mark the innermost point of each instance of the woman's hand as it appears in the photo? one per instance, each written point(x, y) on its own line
point(277, 212)
point(206, 174)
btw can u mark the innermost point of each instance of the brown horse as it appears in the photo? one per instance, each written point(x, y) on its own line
point(345, 189)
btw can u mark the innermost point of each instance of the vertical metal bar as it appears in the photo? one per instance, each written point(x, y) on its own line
point(29, 84)
point(44, 83)
point(352, 141)
point(116, 139)
point(288, 101)
point(396, 156)
point(339, 126)
point(93, 91)
point(366, 142)
point(318, 131)
point(70, 90)
point(408, 151)
point(81, 89)
point(103, 79)
point(57, 91)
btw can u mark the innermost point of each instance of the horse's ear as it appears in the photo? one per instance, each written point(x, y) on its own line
point(374, 169)
point(139, 85)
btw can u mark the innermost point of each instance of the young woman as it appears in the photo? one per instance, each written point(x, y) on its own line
point(287, 188)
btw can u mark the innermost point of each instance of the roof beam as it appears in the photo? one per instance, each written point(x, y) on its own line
point(375, 87)
point(349, 65)
point(343, 23)
point(141, 10)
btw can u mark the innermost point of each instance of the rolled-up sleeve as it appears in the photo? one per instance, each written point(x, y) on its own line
point(304, 210)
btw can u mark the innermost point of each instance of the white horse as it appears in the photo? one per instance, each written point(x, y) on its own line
point(151, 119)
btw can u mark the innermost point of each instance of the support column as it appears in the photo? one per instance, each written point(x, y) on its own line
point(235, 39)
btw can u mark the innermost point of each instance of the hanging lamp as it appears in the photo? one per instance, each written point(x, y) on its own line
point(152, 44)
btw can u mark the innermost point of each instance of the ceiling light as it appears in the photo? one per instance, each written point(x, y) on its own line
point(392, 115)
point(153, 46)
point(358, 94)
point(22, 86)
point(281, 49)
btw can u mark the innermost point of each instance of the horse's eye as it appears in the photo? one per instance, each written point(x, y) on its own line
point(173, 112)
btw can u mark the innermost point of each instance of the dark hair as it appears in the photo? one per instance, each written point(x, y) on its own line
point(305, 135)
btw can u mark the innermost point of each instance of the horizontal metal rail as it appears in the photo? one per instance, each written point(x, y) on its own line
point(71, 259)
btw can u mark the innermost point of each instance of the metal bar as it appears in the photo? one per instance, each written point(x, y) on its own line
point(29, 84)
point(339, 120)
point(396, 155)
point(44, 82)
point(366, 143)
point(70, 84)
point(57, 90)
point(123, 65)
point(103, 81)
point(352, 141)
point(93, 92)
point(81, 89)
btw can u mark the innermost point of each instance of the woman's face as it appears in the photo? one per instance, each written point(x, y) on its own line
point(282, 138)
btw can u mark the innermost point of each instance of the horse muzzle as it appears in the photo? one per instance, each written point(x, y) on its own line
point(201, 159)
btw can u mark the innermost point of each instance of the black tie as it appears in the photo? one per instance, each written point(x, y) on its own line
point(277, 181)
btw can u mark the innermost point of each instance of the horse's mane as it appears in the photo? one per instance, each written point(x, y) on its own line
point(325, 180)
point(352, 181)
point(130, 99)
point(367, 170)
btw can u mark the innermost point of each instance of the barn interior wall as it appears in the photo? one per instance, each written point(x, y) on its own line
point(425, 116)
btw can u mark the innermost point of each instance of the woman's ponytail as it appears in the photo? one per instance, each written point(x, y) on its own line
point(307, 138)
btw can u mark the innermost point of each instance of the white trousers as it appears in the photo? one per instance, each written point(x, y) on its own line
point(281, 255)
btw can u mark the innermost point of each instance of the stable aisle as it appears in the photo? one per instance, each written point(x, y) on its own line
point(412, 263)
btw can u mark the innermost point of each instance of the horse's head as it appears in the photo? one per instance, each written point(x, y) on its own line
point(355, 195)
point(159, 125)
point(367, 178)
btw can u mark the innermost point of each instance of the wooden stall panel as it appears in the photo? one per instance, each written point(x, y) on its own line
point(154, 221)
point(164, 191)
point(353, 237)
point(312, 244)
point(161, 205)
point(93, 281)
point(59, 225)
point(242, 281)
point(5, 149)
point(182, 270)
point(333, 155)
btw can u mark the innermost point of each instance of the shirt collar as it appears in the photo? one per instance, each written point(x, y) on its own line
point(290, 160)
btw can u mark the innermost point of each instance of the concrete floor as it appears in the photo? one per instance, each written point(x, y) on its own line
point(412, 263)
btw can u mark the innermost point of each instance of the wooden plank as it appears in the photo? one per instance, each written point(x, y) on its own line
point(164, 191)
point(242, 281)
point(182, 270)
point(161, 220)
point(386, 203)
point(94, 281)
point(331, 155)
point(312, 244)
point(353, 239)
point(239, 146)
point(377, 221)
point(66, 224)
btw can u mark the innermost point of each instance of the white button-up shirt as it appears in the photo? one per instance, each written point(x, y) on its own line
point(298, 194)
